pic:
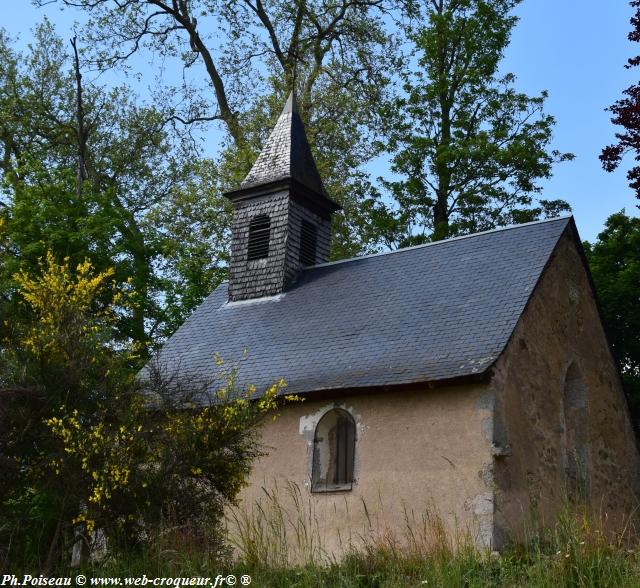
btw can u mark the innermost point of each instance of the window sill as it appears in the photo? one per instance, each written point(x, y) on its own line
point(329, 488)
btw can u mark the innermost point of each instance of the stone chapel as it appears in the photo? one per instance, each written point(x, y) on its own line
point(470, 377)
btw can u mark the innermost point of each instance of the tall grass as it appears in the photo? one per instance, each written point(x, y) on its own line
point(572, 552)
point(282, 528)
point(279, 544)
point(282, 547)
point(271, 533)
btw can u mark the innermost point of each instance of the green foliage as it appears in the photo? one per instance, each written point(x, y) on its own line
point(614, 260)
point(239, 62)
point(469, 147)
point(55, 358)
point(195, 224)
point(134, 173)
point(88, 448)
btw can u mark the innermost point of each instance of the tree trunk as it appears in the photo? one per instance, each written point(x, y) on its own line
point(81, 131)
point(441, 206)
point(53, 545)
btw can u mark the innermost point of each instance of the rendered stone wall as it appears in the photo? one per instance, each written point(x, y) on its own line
point(560, 331)
point(421, 457)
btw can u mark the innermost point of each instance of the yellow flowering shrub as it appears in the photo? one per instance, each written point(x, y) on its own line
point(104, 450)
point(62, 302)
point(66, 375)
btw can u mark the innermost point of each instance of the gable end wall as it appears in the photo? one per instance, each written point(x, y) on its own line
point(560, 327)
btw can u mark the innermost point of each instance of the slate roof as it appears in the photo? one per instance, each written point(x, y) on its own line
point(422, 314)
point(286, 154)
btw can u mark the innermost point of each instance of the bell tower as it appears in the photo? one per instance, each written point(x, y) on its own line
point(281, 214)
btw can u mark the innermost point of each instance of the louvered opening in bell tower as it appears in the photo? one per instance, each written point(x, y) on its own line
point(259, 232)
point(308, 243)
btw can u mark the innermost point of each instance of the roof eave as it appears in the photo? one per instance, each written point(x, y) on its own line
point(483, 377)
point(296, 187)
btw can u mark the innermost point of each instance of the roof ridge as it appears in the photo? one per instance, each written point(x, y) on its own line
point(433, 243)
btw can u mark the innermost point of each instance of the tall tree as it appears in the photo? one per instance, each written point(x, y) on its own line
point(614, 260)
point(469, 148)
point(337, 54)
point(626, 114)
point(85, 173)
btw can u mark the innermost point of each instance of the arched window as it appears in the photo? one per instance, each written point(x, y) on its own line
point(575, 437)
point(333, 452)
point(259, 229)
point(308, 239)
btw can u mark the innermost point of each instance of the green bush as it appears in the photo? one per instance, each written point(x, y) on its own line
point(99, 460)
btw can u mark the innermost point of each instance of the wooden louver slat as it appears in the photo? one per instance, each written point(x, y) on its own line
point(259, 232)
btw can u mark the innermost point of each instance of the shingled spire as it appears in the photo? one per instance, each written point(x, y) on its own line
point(281, 213)
point(286, 154)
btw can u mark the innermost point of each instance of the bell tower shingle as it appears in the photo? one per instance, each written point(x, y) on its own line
point(281, 213)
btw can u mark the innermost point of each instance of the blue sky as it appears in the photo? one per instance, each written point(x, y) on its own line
point(574, 49)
